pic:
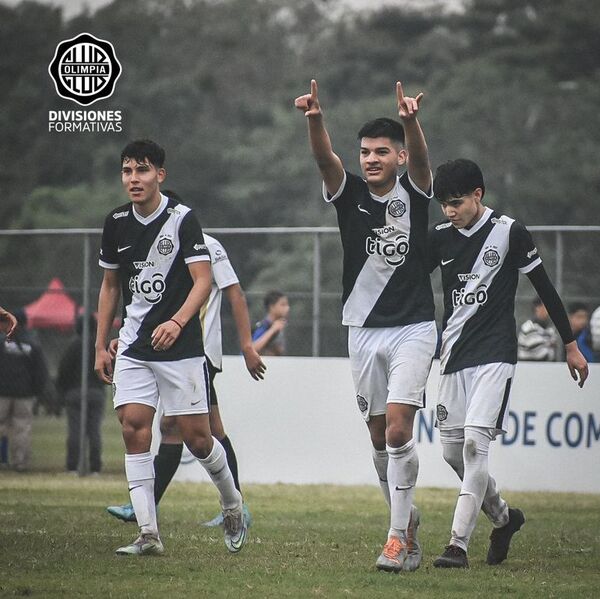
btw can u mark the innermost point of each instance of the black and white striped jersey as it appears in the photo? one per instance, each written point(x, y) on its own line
point(385, 276)
point(480, 270)
point(152, 254)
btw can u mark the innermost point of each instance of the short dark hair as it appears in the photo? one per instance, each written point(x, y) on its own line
point(141, 149)
point(457, 178)
point(383, 127)
point(272, 297)
point(576, 306)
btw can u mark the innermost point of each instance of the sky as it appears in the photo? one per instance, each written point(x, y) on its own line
point(73, 7)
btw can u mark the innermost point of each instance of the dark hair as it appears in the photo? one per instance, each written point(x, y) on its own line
point(383, 127)
point(457, 178)
point(141, 149)
point(272, 297)
point(172, 194)
point(576, 306)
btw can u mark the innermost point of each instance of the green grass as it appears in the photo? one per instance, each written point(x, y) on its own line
point(306, 541)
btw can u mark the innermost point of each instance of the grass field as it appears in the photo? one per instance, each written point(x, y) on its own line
point(306, 541)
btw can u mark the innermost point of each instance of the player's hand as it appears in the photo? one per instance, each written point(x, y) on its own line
point(407, 107)
point(164, 335)
point(8, 323)
point(577, 363)
point(254, 363)
point(104, 366)
point(112, 348)
point(278, 325)
point(309, 103)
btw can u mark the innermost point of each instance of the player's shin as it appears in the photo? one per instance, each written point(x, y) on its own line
point(403, 468)
point(139, 469)
point(216, 466)
point(474, 486)
point(380, 461)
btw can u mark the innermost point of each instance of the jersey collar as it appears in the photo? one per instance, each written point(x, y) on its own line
point(391, 194)
point(146, 220)
point(484, 219)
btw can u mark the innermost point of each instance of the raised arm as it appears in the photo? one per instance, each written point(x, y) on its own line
point(239, 308)
point(329, 163)
point(108, 302)
point(419, 167)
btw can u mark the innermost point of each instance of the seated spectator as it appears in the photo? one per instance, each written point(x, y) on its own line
point(538, 339)
point(268, 336)
point(579, 317)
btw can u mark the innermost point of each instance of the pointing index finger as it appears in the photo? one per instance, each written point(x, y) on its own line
point(399, 92)
point(313, 89)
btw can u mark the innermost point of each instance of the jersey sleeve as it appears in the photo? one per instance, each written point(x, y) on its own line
point(191, 239)
point(428, 195)
point(524, 249)
point(108, 248)
point(222, 270)
point(332, 198)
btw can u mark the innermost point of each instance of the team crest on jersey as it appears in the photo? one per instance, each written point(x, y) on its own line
point(491, 258)
point(397, 208)
point(441, 412)
point(362, 403)
point(165, 246)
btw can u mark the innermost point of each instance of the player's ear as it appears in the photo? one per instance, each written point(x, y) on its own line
point(478, 194)
point(162, 174)
point(402, 157)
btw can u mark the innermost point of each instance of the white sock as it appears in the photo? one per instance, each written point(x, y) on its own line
point(474, 486)
point(218, 470)
point(493, 506)
point(380, 460)
point(139, 469)
point(403, 468)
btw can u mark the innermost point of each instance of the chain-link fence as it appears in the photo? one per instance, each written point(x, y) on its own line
point(309, 260)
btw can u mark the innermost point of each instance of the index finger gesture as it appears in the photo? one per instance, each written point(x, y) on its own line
point(407, 106)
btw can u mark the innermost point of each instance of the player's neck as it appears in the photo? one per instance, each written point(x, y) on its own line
point(480, 212)
point(149, 207)
point(383, 189)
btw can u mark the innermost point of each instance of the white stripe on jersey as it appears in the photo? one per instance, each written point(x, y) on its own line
point(499, 238)
point(139, 307)
point(376, 272)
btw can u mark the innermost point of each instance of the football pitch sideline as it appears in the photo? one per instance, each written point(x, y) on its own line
point(56, 539)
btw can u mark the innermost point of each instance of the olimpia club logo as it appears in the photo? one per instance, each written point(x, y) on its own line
point(85, 69)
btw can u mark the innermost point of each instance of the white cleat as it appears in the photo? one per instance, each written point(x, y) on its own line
point(393, 555)
point(145, 544)
point(235, 528)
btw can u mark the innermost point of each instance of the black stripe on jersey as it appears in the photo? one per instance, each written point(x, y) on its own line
point(504, 403)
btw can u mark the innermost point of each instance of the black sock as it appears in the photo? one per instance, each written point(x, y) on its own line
point(166, 463)
point(231, 460)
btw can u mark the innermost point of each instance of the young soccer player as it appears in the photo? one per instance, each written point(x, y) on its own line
point(481, 253)
point(166, 461)
point(387, 297)
point(154, 255)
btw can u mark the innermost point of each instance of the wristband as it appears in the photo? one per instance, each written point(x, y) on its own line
point(173, 320)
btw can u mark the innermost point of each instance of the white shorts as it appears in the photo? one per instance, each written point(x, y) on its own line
point(476, 396)
point(182, 385)
point(391, 365)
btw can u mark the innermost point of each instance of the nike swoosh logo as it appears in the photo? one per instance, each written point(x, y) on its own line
point(363, 210)
point(119, 250)
point(196, 402)
point(444, 262)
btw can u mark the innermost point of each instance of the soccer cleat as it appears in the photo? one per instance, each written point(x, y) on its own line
point(145, 544)
point(218, 519)
point(453, 557)
point(122, 512)
point(413, 549)
point(235, 528)
point(500, 537)
point(393, 555)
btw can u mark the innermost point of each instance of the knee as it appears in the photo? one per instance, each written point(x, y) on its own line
point(201, 445)
point(476, 446)
point(168, 426)
point(136, 432)
point(397, 434)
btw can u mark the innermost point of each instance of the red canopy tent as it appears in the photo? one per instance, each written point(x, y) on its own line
point(54, 309)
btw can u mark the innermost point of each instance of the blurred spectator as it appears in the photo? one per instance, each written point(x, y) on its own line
point(579, 317)
point(595, 332)
point(23, 377)
point(538, 339)
point(69, 387)
point(268, 335)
